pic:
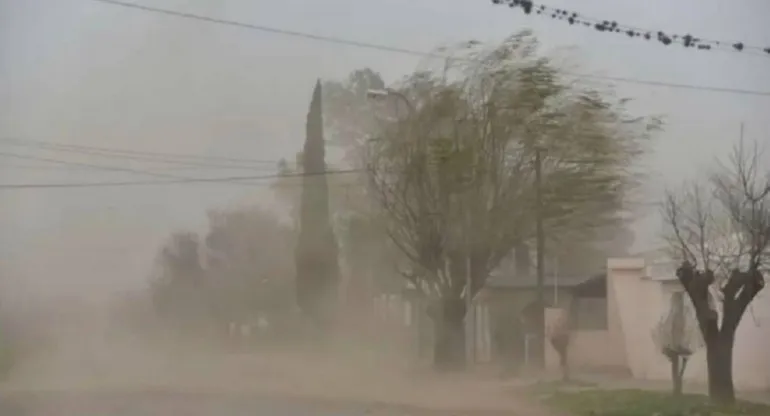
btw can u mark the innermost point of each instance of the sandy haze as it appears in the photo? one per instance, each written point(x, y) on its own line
point(88, 351)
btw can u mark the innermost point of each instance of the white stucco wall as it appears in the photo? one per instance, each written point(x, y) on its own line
point(751, 357)
point(641, 300)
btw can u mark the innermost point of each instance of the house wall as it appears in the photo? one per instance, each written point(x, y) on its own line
point(512, 301)
point(636, 304)
point(588, 349)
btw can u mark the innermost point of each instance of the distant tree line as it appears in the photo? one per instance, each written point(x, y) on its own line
point(240, 271)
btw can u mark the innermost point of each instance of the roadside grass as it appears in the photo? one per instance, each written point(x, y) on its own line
point(551, 386)
point(595, 402)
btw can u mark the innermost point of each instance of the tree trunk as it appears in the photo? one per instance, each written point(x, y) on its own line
point(449, 340)
point(560, 342)
point(676, 374)
point(719, 357)
point(564, 364)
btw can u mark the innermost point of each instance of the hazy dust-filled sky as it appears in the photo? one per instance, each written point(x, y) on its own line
point(92, 74)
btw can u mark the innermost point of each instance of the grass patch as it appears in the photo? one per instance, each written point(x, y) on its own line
point(549, 387)
point(556, 385)
point(644, 403)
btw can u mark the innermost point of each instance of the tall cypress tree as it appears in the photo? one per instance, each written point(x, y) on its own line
point(316, 257)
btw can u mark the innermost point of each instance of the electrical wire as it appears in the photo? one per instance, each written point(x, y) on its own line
point(179, 164)
point(173, 179)
point(89, 165)
point(613, 27)
point(366, 45)
point(11, 167)
point(170, 158)
point(237, 180)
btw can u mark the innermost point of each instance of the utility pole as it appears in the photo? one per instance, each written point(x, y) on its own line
point(555, 260)
point(470, 317)
point(539, 353)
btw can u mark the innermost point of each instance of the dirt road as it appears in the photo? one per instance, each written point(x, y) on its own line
point(166, 404)
point(123, 380)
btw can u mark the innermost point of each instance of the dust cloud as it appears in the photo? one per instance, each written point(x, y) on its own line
point(111, 346)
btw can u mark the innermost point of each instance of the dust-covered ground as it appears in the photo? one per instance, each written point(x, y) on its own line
point(87, 370)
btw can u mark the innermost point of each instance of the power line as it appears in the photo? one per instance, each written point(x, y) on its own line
point(366, 45)
point(237, 180)
point(173, 179)
point(611, 26)
point(10, 166)
point(147, 157)
point(88, 165)
point(125, 153)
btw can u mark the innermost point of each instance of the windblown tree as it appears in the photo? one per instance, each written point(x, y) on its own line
point(348, 117)
point(316, 256)
point(455, 181)
point(586, 255)
point(349, 113)
point(241, 272)
point(720, 231)
point(249, 264)
point(677, 337)
point(179, 289)
point(351, 118)
point(344, 190)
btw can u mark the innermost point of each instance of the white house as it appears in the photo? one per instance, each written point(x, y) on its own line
point(637, 296)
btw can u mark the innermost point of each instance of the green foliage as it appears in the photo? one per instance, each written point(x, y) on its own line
point(242, 269)
point(351, 118)
point(367, 252)
point(178, 286)
point(249, 263)
point(349, 115)
point(645, 403)
point(460, 169)
point(316, 255)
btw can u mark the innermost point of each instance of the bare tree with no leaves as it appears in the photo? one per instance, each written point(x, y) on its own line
point(720, 231)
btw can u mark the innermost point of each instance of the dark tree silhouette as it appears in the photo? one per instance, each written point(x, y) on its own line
point(316, 255)
point(240, 271)
point(721, 233)
point(179, 288)
point(250, 264)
